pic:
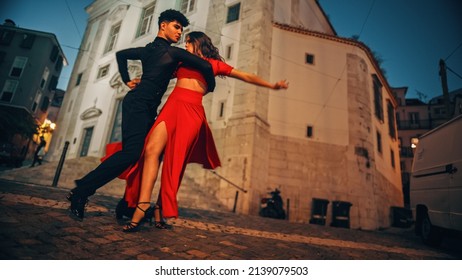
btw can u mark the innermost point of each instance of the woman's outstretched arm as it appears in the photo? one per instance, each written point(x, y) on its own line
point(256, 80)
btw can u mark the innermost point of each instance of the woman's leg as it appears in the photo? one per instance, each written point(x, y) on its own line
point(154, 147)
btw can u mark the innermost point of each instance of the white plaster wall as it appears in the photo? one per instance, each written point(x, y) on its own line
point(317, 93)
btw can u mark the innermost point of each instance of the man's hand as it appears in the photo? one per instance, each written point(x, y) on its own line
point(133, 83)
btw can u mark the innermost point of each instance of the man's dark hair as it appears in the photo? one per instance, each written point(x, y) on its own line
point(172, 15)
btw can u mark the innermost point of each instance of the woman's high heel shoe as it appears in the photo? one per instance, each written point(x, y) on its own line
point(133, 226)
point(158, 221)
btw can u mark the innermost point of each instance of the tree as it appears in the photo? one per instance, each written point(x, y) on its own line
point(16, 121)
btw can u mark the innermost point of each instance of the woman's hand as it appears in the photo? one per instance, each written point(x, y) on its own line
point(133, 83)
point(282, 84)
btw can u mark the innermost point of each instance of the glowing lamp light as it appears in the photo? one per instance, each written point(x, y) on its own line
point(414, 142)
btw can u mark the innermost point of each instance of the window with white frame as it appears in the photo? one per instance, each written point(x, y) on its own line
point(38, 96)
point(45, 75)
point(187, 6)
point(103, 71)
point(8, 90)
point(18, 66)
point(113, 35)
point(146, 20)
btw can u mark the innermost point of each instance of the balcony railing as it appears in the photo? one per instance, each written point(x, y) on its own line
point(422, 124)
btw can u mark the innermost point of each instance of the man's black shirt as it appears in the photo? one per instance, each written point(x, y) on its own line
point(159, 60)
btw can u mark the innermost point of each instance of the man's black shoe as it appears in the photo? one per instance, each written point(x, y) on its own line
point(78, 204)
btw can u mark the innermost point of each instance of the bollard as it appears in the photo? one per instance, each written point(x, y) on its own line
point(288, 209)
point(235, 201)
point(60, 165)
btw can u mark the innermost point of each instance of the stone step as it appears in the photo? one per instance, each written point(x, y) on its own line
point(190, 194)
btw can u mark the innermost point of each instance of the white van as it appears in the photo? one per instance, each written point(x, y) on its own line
point(436, 182)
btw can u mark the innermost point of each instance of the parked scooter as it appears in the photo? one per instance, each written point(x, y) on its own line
point(271, 207)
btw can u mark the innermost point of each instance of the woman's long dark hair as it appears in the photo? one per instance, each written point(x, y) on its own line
point(203, 45)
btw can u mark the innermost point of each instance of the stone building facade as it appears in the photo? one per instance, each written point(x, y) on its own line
point(331, 135)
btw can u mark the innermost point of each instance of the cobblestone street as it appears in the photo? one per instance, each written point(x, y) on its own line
point(35, 225)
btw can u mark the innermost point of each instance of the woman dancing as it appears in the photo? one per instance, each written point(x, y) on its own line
point(182, 134)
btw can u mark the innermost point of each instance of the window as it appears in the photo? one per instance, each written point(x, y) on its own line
point(38, 96)
point(414, 118)
point(8, 90)
point(6, 36)
point(87, 135)
point(79, 79)
point(103, 71)
point(439, 111)
point(378, 103)
point(391, 120)
point(309, 58)
point(54, 54)
point(18, 66)
point(379, 142)
point(45, 104)
point(229, 51)
point(183, 35)
point(187, 6)
point(45, 75)
point(27, 41)
point(146, 20)
point(59, 64)
point(113, 34)
point(392, 158)
point(309, 131)
point(53, 83)
point(116, 134)
point(233, 13)
point(221, 111)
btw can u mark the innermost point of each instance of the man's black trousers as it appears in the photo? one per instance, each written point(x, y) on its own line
point(139, 110)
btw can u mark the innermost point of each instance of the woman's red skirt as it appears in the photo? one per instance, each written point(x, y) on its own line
point(189, 140)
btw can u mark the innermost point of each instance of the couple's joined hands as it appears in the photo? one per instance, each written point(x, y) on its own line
point(133, 83)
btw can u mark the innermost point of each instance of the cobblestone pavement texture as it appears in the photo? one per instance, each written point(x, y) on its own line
point(34, 224)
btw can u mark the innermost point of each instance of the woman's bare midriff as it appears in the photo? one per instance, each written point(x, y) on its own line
point(191, 84)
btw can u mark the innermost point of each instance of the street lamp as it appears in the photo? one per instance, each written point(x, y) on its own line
point(414, 142)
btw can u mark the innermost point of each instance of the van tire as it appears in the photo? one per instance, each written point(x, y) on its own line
point(430, 235)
